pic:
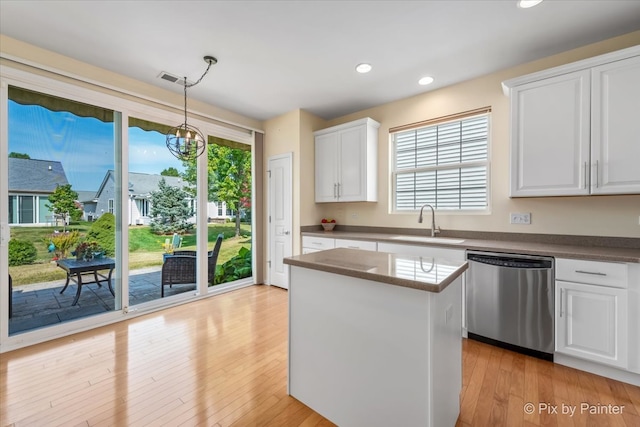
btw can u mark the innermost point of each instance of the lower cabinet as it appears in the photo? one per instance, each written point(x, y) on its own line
point(419, 250)
point(314, 244)
point(357, 244)
point(592, 319)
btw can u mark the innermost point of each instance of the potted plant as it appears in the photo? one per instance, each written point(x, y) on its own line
point(88, 250)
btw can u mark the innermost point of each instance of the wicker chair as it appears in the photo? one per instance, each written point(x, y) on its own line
point(180, 268)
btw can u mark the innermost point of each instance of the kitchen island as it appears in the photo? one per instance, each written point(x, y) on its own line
point(375, 338)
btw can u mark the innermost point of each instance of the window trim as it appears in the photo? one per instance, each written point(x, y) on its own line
point(434, 122)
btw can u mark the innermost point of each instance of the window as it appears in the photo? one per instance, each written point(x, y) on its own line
point(144, 207)
point(110, 206)
point(442, 162)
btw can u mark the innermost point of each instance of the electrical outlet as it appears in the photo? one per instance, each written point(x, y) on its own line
point(520, 218)
point(354, 215)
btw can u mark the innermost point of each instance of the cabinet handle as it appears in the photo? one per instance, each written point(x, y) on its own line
point(585, 174)
point(561, 306)
point(595, 273)
point(335, 196)
point(597, 176)
point(352, 247)
point(338, 190)
point(316, 243)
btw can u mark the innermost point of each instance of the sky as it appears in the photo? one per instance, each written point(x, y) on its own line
point(84, 145)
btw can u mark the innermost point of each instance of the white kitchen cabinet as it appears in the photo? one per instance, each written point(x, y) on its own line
point(314, 244)
point(574, 128)
point(591, 311)
point(419, 250)
point(550, 136)
point(346, 162)
point(357, 244)
point(591, 322)
point(615, 124)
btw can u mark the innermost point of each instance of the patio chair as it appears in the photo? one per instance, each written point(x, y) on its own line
point(180, 268)
point(176, 241)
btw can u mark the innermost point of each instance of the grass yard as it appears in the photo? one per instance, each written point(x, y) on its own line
point(145, 249)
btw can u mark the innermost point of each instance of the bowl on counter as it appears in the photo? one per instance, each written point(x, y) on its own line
point(328, 226)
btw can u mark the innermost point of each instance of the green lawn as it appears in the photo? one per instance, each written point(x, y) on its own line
point(145, 248)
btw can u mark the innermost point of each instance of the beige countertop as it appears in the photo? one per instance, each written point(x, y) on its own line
point(594, 253)
point(422, 273)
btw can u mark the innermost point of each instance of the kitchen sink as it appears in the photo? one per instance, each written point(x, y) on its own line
point(425, 239)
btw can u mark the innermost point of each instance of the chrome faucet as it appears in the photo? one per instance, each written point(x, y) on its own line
point(434, 231)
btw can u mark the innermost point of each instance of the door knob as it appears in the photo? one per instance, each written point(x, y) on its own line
point(287, 233)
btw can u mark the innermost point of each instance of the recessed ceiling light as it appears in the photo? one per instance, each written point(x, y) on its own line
point(526, 4)
point(425, 80)
point(363, 68)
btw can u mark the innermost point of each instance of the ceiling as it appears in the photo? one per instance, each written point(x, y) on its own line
point(278, 56)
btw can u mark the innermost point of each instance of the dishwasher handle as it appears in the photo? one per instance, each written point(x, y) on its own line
point(510, 261)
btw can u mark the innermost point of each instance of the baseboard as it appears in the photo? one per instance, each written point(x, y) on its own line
point(597, 369)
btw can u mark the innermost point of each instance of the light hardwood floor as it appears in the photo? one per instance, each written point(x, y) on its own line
point(223, 361)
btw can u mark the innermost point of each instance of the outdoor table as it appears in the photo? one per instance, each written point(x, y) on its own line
point(77, 268)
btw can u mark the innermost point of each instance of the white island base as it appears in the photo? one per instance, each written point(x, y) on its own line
point(366, 353)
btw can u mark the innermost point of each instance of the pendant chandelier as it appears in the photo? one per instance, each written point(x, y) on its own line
point(186, 142)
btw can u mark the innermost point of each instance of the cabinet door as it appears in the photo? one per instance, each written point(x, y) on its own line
point(326, 167)
point(357, 244)
point(615, 138)
point(550, 129)
point(352, 158)
point(591, 322)
point(419, 250)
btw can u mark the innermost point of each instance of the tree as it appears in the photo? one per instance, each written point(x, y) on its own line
point(229, 178)
point(170, 209)
point(170, 171)
point(15, 155)
point(62, 202)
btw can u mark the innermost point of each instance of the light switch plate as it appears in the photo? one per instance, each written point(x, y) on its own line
point(520, 218)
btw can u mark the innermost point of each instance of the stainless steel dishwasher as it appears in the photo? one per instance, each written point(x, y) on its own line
point(510, 301)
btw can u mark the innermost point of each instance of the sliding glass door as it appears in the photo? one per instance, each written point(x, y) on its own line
point(98, 220)
point(162, 207)
point(61, 228)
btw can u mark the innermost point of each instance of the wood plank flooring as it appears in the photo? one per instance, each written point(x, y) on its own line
point(223, 362)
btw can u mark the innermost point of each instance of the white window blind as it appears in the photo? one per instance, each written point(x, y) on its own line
point(443, 164)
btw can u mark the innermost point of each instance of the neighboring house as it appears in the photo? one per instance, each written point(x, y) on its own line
point(31, 181)
point(140, 187)
point(88, 203)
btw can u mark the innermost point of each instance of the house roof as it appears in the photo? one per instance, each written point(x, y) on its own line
point(86, 196)
point(142, 184)
point(35, 176)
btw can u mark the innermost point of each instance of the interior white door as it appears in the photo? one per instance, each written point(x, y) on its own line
point(280, 218)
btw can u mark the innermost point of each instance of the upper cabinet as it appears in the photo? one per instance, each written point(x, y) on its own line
point(346, 162)
point(575, 129)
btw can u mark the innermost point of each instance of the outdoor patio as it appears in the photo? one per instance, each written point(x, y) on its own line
point(41, 304)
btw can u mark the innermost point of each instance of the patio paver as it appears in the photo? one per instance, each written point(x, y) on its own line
point(40, 305)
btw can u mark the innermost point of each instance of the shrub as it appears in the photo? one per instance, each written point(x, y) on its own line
point(21, 252)
point(103, 231)
point(62, 242)
point(236, 268)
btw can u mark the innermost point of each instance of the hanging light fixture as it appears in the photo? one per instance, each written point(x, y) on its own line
point(187, 142)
